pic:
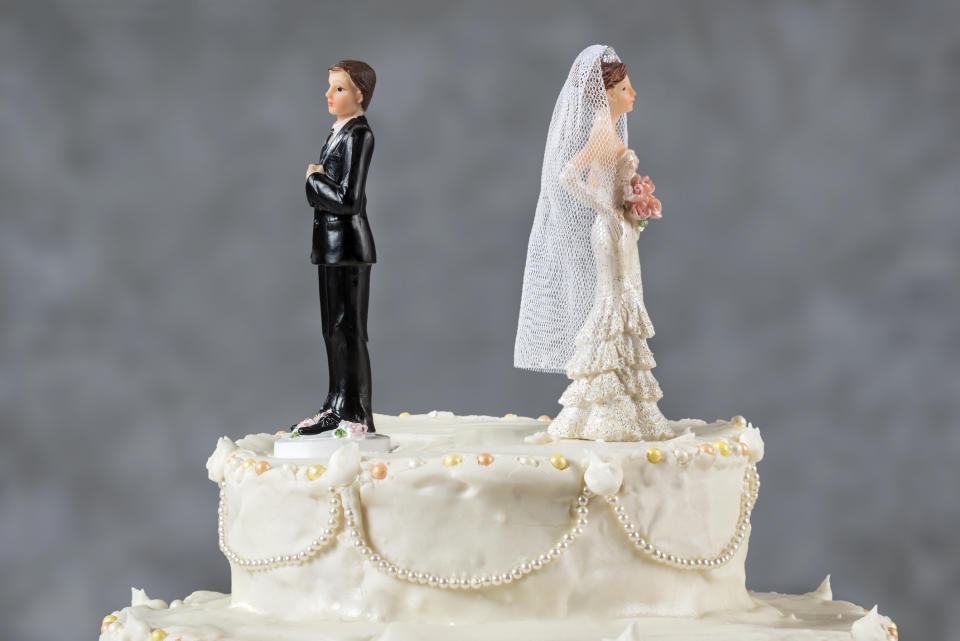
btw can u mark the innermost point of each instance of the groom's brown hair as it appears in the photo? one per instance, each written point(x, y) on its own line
point(362, 75)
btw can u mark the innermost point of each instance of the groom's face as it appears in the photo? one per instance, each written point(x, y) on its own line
point(343, 97)
point(621, 96)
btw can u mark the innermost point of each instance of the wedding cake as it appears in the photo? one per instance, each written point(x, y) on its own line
point(467, 530)
point(609, 522)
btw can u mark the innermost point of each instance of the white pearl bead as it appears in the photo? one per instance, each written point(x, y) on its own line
point(577, 531)
point(581, 523)
point(536, 564)
point(443, 583)
point(496, 579)
point(401, 573)
point(433, 580)
point(506, 577)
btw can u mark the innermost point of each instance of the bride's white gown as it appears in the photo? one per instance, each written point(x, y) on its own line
point(613, 395)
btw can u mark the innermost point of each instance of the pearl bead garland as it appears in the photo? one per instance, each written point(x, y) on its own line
point(460, 581)
point(326, 538)
point(356, 534)
point(748, 498)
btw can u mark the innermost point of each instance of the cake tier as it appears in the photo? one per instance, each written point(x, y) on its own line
point(209, 616)
point(465, 521)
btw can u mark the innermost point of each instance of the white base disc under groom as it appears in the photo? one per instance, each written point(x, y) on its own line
point(582, 308)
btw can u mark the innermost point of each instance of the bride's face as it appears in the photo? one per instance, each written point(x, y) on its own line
point(620, 96)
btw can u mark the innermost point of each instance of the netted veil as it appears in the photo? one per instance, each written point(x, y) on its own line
point(576, 185)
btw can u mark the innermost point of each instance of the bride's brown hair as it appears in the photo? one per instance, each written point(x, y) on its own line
point(613, 72)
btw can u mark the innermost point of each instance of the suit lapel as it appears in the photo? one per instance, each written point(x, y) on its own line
point(334, 139)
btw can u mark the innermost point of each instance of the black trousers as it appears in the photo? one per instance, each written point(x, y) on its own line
point(344, 302)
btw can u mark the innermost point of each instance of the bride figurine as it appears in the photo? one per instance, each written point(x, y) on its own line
point(582, 306)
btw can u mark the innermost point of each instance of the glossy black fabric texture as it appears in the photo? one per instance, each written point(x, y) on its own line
point(341, 233)
point(344, 296)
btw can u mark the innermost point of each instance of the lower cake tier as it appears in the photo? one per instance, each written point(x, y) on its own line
point(211, 616)
point(468, 520)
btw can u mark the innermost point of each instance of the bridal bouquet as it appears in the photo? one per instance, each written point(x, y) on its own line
point(639, 201)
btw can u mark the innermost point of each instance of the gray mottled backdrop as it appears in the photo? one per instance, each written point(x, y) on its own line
point(156, 293)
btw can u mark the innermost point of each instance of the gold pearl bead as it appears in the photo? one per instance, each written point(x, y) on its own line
point(452, 459)
point(378, 471)
point(654, 455)
point(158, 635)
point(315, 471)
point(261, 467)
point(280, 432)
point(107, 621)
point(509, 415)
point(559, 461)
point(543, 417)
point(404, 414)
point(249, 463)
point(484, 459)
point(723, 449)
point(738, 421)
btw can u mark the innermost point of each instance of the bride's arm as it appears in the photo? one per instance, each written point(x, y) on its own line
point(571, 178)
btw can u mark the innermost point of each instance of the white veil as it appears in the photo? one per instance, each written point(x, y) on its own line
point(560, 275)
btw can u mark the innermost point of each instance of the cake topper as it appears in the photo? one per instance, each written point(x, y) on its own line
point(343, 251)
point(582, 308)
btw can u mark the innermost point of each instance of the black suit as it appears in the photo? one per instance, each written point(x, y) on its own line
point(343, 251)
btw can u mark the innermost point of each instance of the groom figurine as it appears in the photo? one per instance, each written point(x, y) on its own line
point(343, 248)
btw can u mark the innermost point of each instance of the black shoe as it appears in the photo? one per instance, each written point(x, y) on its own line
point(327, 422)
point(362, 418)
point(321, 422)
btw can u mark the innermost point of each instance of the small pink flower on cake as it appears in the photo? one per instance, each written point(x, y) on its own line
point(355, 430)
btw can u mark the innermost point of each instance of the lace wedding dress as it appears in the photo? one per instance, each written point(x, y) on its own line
point(613, 394)
point(581, 307)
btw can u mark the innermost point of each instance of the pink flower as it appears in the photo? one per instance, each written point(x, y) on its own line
point(639, 199)
point(356, 429)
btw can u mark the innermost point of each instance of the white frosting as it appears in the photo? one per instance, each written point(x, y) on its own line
point(209, 616)
point(871, 627)
point(602, 477)
point(426, 510)
point(824, 592)
point(468, 519)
